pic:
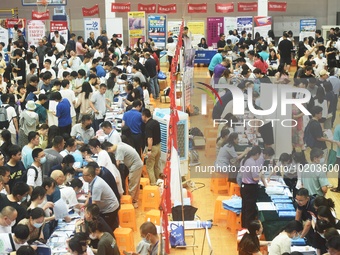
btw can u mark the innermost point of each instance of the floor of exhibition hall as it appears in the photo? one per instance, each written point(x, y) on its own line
point(223, 241)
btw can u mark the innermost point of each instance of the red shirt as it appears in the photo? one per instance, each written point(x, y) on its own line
point(263, 66)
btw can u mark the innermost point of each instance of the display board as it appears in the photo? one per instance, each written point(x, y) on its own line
point(197, 30)
point(284, 23)
point(157, 29)
point(50, 2)
point(35, 31)
point(136, 27)
point(91, 25)
point(262, 24)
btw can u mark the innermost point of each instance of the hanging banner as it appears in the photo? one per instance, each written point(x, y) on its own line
point(170, 8)
point(224, 8)
point(35, 31)
point(61, 27)
point(41, 15)
point(91, 25)
point(277, 6)
point(245, 23)
point(136, 27)
point(90, 11)
point(262, 25)
point(197, 8)
point(4, 36)
point(247, 7)
point(120, 7)
point(197, 30)
point(214, 29)
point(307, 28)
point(147, 8)
point(157, 30)
point(10, 25)
point(230, 23)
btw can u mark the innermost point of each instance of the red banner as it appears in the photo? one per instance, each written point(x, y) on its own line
point(247, 7)
point(58, 25)
point(147, 8)
point(170, 8)
point(120, 7)
point(224, 8)
point(41, 15)
point(197, 8)
point(277, 6)
point(11, 22)
point(90, 11)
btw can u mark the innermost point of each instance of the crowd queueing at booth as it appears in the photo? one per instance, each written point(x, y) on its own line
point(58, 140)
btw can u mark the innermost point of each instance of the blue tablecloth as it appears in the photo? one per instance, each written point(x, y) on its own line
point(204, 56)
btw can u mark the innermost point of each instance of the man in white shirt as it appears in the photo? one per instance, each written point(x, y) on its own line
point(69, 194)
point(69, 94)
point(12, 118)
point(83, 131)
point(321, 63)
point(11, 242)
point(47, 65)
point(34, 172)
point(64, 68)
point(8, 217)
point(112, 135)
point(60, 47)
point(74, 61)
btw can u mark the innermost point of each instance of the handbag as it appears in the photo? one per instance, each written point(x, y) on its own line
point(331, 158)
point(176, 235)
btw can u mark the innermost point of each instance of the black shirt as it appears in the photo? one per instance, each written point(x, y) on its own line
point(307, 210)
point(17, 173)
point(142, 69)
point(153, 130)
point(22, 72)
point(22, 213)
point(285, 48)
point(151, 67)
point(316, 130)
point(221, 44)
point(108, 177)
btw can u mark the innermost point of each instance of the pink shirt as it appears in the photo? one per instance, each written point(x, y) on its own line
point(79, 49)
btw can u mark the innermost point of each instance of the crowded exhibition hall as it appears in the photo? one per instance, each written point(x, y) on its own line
point(162, 128)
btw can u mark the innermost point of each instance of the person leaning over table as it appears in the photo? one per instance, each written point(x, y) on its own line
point(305, 211)
point(250, 243)
point(35, 223)
point(251, 169)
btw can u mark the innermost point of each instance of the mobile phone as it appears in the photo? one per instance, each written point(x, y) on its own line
point(127, 253)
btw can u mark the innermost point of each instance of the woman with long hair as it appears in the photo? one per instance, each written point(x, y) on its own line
point(251, 175)
point(84, 99)
point(53, 131)
point(283, 241)
point(203, 43)
point(273, 62)
point(282, 76)
point(322, 201)
point(250, 243)
point(7, 143)
point(260, 64)
point(43, 131)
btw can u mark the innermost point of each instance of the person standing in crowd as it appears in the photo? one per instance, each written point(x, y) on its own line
point(251, 175)
point(99, 105)
point(41, 49)
point(171, 49)
point(151, 67)
point(29, 120)
point(285, 50)
point(83, 131)
point(63, 113)
point(15, 165)
point(53, 156)
point(133, 119)
point(33, 141)
point(153, 145)
point(13, 127)
point(112, 135)
point(221, 43)
point(8, 216)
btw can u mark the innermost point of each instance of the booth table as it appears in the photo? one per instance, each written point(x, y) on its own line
point(204, 56)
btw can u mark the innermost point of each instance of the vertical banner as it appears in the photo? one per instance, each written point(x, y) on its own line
point(4, 36)
point(91, 25)
point(116, 29)
point(35, 31)
point(60, 26)
point(215, 26)
point(136, 27)
point(157, 29)
point(307, 28)
point(197, 30)
point(245, 23)
point(230, 23)
point(262, 25)
point(188, 78)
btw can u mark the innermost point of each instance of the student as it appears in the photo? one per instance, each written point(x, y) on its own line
point(13, 241)
point(282, 242)
point(35, 224)
point(250, 243)
point(78, 244)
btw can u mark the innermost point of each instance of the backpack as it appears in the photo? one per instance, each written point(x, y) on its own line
point(4, 122)
point(307, 137)
point(24, 177)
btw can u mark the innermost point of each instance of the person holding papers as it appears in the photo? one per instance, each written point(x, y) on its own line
point(11, 242)
point(283, 241)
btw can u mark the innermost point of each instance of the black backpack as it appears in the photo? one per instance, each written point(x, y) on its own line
point(4, 122)
point(24, 177)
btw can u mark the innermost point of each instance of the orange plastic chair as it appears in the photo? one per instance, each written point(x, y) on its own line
point(127, 216)
point(220, 213)
point(151, 197)
point(125, 240)
point(218, 185)
point(126, 199)
point(153, 216)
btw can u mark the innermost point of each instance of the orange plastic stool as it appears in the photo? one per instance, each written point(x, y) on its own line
point(220, 213)
point(153, 216)
point(126, 199)
point(219, 184)
point(233, 221)
point(127, 216)
point(143, 182)
point(234, 189)
point(124, 239)
point(151, 197)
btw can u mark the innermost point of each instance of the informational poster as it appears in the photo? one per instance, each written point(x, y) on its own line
point(215, 26)
point(307, 28)
point(35, 31)
point(174, 27)
point(3, 33)
point(245, 23)
point(136, 27)
point(262, 25)
point(197, 30)
point(230, 23)
point(91, 25)
point(157, 29)
point(60, 26)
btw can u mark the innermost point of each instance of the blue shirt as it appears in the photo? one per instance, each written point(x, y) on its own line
point(214, 61)
point(55, 195)
point(27, 158)
point(133, 119)
point(264, 55)
point(336, 137)
point(64, 113)
point(100, 71)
